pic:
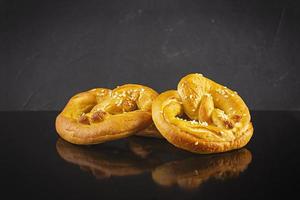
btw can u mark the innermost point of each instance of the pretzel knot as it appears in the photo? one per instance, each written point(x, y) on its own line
point(101, 114)
point(202, 116)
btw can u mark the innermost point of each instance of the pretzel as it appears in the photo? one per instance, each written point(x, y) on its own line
point(101, 114)
point(202, 116)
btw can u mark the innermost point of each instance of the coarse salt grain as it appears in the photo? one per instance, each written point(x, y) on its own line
point(204, 123)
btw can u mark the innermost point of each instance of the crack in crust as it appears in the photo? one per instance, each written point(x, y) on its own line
point(98, 116)
point(84, 120)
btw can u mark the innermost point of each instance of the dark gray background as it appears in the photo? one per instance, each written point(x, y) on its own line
point(53, 49)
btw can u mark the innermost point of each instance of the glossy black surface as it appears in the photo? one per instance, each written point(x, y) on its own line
point(37, 164)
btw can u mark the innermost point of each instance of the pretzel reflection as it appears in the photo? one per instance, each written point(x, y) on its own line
point(192, 172)
point(103, 163)
point(150, 155)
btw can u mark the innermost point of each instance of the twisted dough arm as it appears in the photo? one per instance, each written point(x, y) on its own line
point(101, 115)
point(219, 118)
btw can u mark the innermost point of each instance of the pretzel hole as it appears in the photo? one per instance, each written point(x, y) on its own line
point(184, 117)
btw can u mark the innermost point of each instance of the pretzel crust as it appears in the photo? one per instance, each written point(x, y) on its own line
point(101, 114)
point(151, 131)
point(217, 134)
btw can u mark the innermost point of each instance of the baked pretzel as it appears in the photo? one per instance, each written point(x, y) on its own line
point(101, 114)
point(202, 116)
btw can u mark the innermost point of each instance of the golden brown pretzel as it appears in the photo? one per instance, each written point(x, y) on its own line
point(100, 114)
point(202, 116)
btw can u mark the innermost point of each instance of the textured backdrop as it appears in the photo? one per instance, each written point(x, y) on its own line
point(53, 49)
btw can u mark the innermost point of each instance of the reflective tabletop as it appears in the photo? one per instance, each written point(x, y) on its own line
point(36, 163)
